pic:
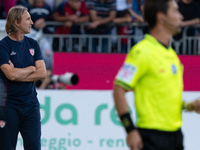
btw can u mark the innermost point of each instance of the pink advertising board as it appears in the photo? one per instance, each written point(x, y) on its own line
point(97, 71)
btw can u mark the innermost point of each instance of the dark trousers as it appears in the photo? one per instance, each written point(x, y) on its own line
point(161, 140)
point(26, 121)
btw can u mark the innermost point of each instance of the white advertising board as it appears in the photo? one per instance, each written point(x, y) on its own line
point(87, 120)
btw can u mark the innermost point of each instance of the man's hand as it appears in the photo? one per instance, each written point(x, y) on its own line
point(134, 140)
point(72, 18)
point(93, 25)
point(11, 64)
point(68, 24)
point(40, 23)
point(195, 106)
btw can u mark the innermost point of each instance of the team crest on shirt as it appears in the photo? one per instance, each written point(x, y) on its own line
point(126, 73)
point(174, 69)
point(32, 51)
point(2, 123)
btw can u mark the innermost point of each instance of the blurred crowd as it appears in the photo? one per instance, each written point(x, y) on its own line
point(98, 14)
point(101, 17)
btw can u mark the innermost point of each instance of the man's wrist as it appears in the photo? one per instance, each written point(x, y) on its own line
point(129, 6)
point(127, 122)
point(187, 106)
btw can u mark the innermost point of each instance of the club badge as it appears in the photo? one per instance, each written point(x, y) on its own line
point(32, 51)
point(2, 124)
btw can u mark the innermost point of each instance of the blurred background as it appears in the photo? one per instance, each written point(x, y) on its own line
point(84, 43)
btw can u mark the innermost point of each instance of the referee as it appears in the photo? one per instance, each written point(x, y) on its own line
point(155, 74)
point(21, 64)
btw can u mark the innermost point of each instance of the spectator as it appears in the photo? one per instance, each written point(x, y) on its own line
point(101, 13)
point(40, 12)
point(23, 3)
point(51, 3)
point(7, 4)
point(71, 13)
point(138, 31)
point(191, 13)
point(58, 2)
point(197, 1)
point(137, 7)
point(124, 15)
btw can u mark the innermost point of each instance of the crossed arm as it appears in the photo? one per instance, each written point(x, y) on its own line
point(96, 21)
point(190, 22)
point(28, 74)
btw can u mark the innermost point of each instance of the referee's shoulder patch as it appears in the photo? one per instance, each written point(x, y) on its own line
point(126, 73)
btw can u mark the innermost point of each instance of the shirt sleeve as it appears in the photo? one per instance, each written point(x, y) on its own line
point(60, 9)
point(113, 6)
point(84, 9)
point(4, 57)
point(38, 54)
point(91, 5)
point(197, 10)
point(50, 15)
point(134, 67)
